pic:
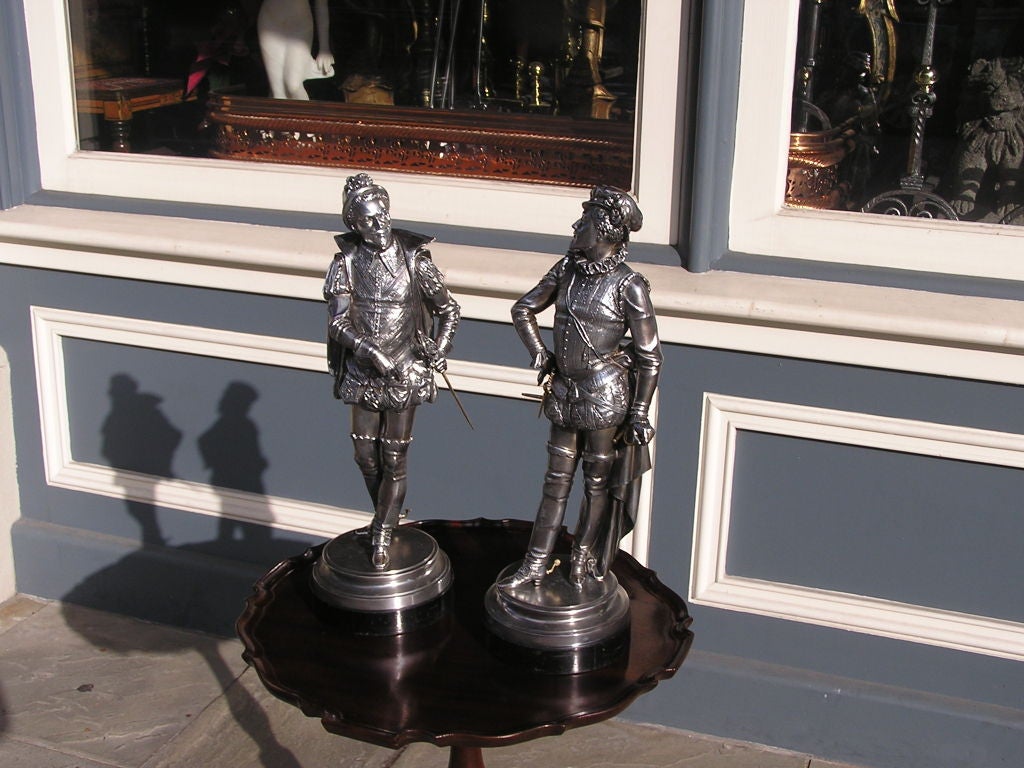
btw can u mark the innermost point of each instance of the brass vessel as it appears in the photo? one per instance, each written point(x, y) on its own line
point(812, 180)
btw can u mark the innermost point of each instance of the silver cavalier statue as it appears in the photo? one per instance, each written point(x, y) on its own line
point(598, 388)
point(391, 322)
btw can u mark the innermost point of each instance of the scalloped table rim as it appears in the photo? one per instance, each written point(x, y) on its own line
point(673, 616)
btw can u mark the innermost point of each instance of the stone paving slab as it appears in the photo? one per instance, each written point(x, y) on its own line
point(17, 609)
point(250, 727)
point(615, 744)
point(106, 687)
point(15, 754)
point(86, 689)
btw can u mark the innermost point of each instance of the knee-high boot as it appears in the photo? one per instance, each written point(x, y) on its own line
point(368, 460)
point(593, 514)
point(390, 498)
point(557, 485)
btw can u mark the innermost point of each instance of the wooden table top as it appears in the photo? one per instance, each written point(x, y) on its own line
point(441, 683)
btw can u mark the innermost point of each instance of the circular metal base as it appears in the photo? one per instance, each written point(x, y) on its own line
point(419, 573)
point(557, 626)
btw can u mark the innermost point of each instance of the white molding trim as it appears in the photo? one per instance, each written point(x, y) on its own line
point(758, 221)
point(916, 331)
point(711, 584)
point(10, 507)
point(51, 326)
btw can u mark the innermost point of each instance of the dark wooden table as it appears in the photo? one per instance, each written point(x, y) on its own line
point(118, 99)
point(442, 683)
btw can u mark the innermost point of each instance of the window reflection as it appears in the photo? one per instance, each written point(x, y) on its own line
point(910, 107)
point(541, 90)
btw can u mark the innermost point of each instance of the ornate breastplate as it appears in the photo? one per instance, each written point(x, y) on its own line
point(382, 307)
point(588, 320)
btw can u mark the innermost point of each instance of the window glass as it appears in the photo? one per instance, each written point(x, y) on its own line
point(909, 107)
point(528, 90)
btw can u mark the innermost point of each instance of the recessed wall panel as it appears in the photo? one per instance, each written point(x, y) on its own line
point(279, 431)
point(915, 529)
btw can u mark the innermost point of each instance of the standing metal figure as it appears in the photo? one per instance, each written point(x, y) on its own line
point(598, 386)
point(390, 326)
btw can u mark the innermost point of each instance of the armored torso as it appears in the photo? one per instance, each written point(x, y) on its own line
point(386, 306)
point(589, 320)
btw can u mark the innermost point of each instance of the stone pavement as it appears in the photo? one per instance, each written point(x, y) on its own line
point(85, 689)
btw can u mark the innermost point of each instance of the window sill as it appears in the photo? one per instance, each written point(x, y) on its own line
point(837, 322)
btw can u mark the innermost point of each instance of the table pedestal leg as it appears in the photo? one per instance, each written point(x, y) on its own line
point(120, 135)
point(466, 757)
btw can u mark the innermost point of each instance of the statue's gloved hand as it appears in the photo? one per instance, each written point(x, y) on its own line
point(639, 430)
point(369, 353)
point(336, 329)
point(431, 353)
point(543, 363)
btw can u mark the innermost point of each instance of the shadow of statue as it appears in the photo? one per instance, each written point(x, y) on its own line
point(137, 438)
point(198, 585)
point(231, 451)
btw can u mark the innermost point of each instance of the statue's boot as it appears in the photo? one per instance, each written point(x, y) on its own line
point(596, 471)
point(535, 565)
point(390, 497)
point(372, 480)
point(380, 545)
point(557, 484)
point(368, 460)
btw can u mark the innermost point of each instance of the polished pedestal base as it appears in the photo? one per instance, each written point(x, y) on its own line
point(556, 627)
point(405, 595)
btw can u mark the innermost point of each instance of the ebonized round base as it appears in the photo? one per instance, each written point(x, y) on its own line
point(383, 601)
point(557, 627)
point(403, 621)
point(569, 661)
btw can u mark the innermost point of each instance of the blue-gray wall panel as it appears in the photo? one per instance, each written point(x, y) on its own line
point(691, 371)
point(915, 529)
point(286, 444)
point(296, 429)
point(842, 718)
point(487, 342)
point(200, 584)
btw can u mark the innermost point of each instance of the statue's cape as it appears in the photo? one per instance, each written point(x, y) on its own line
point(631, 462)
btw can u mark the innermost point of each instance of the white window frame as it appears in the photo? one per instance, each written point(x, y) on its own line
point(758, 221)
point(514, 206)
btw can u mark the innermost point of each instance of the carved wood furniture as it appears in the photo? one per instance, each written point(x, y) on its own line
point(440, 683)
point(482, 144)
point(118, 99)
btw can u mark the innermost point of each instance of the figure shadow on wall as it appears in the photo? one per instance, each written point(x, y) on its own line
point(199, 585)
point(231, 451)
point(139, 443)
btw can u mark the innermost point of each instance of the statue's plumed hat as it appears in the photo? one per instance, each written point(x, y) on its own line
point(622, 208)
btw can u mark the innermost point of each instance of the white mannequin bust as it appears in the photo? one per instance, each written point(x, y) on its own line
point(285, 29)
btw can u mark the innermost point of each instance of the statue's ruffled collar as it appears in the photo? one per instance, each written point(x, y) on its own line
point(602, 267)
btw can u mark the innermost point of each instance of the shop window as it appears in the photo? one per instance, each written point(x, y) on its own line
point(859, 133)
point(911, 108)
point(170, 101)
point(526, 90)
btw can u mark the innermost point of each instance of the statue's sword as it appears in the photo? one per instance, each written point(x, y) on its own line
point(455, 397)
point(430, 347)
